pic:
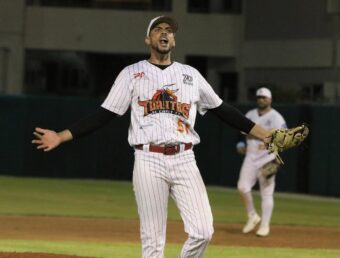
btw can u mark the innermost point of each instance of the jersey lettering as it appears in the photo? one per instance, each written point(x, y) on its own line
point(165, 101)
point(158, 99)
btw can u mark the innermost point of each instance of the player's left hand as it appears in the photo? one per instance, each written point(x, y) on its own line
point(283, 139)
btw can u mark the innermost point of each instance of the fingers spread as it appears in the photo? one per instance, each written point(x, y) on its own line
point(42, 146)
point(40, 130)
point(37, 135)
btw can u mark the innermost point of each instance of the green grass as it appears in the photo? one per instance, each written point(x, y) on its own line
point(112, 199)
point(290, 209)
point(132, 250)
point(59, 197)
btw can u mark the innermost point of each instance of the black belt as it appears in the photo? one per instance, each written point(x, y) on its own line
point(166, 150)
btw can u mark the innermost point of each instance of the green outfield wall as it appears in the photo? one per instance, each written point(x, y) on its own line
point(313, 168)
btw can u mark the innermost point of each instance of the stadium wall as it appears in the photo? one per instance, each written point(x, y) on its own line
point(313, 168)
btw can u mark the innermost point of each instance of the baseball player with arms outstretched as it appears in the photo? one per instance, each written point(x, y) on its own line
point(164, 97)
point(256, 163)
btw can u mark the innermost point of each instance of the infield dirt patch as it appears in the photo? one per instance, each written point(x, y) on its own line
point(111, 230)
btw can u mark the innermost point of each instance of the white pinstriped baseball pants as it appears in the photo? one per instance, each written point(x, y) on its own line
point(155, 177)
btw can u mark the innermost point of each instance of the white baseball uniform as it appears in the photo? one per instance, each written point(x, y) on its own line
point(163, 105)
point(256, 157)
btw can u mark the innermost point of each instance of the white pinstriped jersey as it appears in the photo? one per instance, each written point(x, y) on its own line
point(163, 103)
point(269, 120)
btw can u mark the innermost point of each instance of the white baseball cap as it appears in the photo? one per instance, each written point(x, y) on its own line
point(264, 92)
point(159, 19)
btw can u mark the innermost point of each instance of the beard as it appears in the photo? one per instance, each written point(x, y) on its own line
point(262, 106)
point(162, 51)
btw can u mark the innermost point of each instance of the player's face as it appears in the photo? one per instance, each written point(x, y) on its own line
point(162, 38)
point(263, 102)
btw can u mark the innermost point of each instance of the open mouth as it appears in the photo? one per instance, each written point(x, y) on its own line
point(163, 41)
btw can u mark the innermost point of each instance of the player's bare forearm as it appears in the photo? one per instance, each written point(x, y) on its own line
point(259, 132)
point(48, 140)
point(65, 135)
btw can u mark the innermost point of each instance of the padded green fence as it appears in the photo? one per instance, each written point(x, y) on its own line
point(106, 153)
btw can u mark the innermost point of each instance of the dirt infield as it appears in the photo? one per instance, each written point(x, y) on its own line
point(110, 230)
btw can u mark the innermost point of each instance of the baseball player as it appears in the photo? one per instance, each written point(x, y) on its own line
point(256, 161)
point(164, 97)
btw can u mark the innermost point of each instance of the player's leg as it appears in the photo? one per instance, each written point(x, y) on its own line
point(190, 195)
point(247, 180)
point(267, 187)
point(152, 193)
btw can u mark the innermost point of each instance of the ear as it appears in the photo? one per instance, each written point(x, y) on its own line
point(147, 40)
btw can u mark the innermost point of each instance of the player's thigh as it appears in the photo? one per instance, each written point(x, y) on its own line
point(248, 175)
point(150, 185)
point(190, 195)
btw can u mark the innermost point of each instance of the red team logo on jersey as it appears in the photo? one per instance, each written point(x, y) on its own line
point(165, 101)
point(139, 75)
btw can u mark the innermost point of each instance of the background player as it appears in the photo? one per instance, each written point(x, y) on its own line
point(164, 97)
point(257, 157)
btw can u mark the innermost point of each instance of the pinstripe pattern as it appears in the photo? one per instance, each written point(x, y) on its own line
point(160, 128)
point(155, 176)
point(164, 104)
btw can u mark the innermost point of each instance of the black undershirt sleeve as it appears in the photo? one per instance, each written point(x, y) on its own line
point(102, 117)
point(233, 117)
point(92, 122)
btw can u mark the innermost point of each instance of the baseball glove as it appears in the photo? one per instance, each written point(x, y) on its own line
point(283, 139)
point(270, 169)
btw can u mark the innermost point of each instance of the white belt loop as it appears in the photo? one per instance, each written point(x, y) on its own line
point(181, 147)
point(146, 147)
